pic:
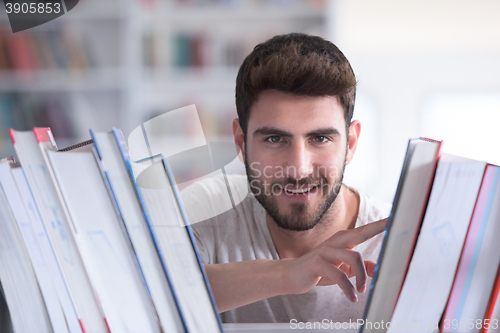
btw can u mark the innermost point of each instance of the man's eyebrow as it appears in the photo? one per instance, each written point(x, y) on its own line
point(267, 130)
point(324, 131)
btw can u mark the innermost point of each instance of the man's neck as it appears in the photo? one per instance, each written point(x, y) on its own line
point(341, 215)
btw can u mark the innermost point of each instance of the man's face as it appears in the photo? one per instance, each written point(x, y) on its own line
point(295, 154)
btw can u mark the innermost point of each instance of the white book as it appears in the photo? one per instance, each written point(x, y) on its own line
point(138, 227)
point(22, 293)
point(439, 245)
point(178, 249)
point(103, 243)
point(42, 273)
point(47, 251)
point(31, 149)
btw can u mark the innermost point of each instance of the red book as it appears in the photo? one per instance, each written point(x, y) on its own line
point(21, 52)
point(493, 309)
point(479, 261)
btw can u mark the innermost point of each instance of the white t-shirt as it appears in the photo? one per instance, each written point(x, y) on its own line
point(241, 234)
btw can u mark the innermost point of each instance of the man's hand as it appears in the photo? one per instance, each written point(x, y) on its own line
point(332, 262)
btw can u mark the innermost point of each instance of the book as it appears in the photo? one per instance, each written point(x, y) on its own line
point(479, 261)
point(19, 282)
point(5, 63)
point(430, 276)
point(21, 52)
point(104, 244)
point(57, 49)
point(178, 248)
point(6, 326)
point(491, 322)
point(401, 232)
point(113, 155)
point(38, 262)
point(47, 251)
point(30, 148)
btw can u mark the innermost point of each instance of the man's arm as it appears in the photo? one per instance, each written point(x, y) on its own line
point(332, 262)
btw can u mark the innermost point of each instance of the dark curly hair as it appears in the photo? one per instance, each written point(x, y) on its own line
point(299, 64)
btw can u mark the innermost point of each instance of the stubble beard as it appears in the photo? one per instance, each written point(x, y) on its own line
point(298, 219)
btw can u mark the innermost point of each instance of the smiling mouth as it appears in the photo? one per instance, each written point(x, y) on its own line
point(299, 190)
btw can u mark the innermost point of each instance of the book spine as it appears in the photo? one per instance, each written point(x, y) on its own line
point(494, 299)
point(177, 196)
point(120, 141)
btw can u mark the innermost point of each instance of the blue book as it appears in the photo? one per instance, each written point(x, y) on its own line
point(117, 170)
point(156, 198)
point(401, 233)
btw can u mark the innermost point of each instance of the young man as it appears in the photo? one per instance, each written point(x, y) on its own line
point(287, 251)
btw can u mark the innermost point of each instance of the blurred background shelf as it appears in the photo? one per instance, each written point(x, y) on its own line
point(220, 13)
point(422, 68)
point(118, 63)
point(55, 80)
point(190, 79)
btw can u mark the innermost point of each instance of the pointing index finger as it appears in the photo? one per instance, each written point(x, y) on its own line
point(351, 238)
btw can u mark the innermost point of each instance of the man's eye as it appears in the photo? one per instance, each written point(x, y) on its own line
point(320, 139)
point(274, 139)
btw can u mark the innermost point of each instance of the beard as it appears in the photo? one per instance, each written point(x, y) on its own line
point(300, 218)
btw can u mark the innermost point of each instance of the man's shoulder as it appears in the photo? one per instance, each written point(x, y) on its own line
point(217, 186)
point(210, 197)
point(371, 209)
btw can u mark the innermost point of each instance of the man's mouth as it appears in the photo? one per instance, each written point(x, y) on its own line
point(298, 191)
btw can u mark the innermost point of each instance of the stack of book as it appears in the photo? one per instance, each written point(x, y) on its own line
point(27, 110)
point(439, 264)
point(84, 249)
point(194, 50)
point(44, 50)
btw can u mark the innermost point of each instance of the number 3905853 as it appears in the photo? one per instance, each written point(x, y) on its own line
point(33, 8)
point(470, 324)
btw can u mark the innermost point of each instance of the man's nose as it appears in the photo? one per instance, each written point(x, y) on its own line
point(300, 162)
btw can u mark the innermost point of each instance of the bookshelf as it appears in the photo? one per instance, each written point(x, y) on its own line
point(67, 73)
point(121, 62)
point(191, 51)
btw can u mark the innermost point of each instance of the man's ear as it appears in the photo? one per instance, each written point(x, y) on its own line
point(239, 137)
point(352, 140)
